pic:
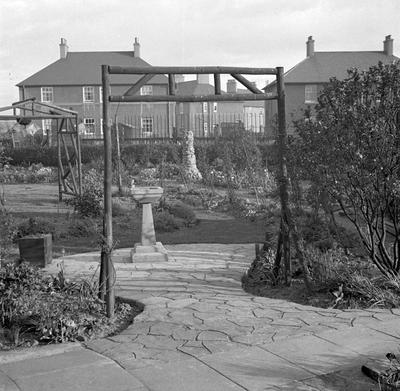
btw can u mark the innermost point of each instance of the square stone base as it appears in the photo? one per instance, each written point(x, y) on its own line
point(150, 253)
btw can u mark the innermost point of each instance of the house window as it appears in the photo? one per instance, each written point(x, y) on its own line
point(181, 108)
point(310, 93)
point(88, 94)
point(205, 107)
point(146, 90)
point(215, 107)
point(101, 126)
point(89, 126)
point(46, 126)
point(47, 94)
point(205, 129)
point(147, 124)
point(101, 94)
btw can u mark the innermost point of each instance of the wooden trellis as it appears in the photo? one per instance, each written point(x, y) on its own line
point(68, 143)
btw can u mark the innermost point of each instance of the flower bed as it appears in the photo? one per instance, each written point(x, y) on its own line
point(36, 173)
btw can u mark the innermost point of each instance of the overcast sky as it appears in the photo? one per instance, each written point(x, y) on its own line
point(259, 33)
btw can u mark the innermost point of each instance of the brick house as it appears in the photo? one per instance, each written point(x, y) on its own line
point(305, 80)
point(205, 118)
point(74, 82)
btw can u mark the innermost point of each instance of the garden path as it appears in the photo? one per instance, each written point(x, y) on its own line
point(198, 325)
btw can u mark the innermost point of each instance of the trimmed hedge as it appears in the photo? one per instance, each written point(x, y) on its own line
point(141, 154)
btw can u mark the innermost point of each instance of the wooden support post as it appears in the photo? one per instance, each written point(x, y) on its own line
point(107, 219)
point(60, 164)
point(283, 180)
point(119, 177)
point(217, 83)
point(171, 84)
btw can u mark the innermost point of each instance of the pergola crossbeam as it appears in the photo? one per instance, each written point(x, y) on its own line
point(192, 98)
point(117, 70)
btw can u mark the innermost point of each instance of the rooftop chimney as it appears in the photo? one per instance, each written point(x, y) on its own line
point(388, 45)
point(310, 46)
point(63, 48)
point(231, 86)
point(203, 79)
point(136, 48)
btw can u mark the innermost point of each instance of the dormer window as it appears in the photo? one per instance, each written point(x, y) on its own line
point(88, 94)
point(47, 94)
point(310, 93)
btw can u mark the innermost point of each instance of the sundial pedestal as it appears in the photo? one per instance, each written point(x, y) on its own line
point(149, 250)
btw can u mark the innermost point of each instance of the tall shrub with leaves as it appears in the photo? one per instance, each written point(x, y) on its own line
point(89, 203)
point(351, 151)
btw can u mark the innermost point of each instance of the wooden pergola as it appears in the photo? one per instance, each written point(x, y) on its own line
point(69, 163)
point(107, 273)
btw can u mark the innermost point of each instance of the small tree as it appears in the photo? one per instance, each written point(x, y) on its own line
point(351, 151)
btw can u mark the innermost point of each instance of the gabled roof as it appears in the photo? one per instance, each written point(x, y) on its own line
point(321, 66)
point(84, 68)
point(193, 87)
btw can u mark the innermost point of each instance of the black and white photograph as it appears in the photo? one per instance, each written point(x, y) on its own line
point(199, 195)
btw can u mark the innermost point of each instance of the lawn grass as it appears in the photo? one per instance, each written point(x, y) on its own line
point(38, 201)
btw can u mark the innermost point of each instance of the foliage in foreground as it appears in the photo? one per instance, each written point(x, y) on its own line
point(89, 203)
point(350, 152)
point(52, 309)
point(348, 282)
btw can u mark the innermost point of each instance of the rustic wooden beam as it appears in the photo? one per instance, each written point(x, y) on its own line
point(191, 98)
point(246, 83)
point(57, 108)
point(189, 70)
point(138, 85)
point(23, 101)
point(68, 161)
point(106, 261)
point(49, 116)
point(217, 83)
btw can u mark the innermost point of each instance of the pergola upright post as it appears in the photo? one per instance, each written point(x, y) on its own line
point(78, 142)
point(283, 180)
point(107, 266)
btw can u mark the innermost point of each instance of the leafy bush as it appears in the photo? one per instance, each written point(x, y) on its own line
point(8, 231)
point(32, 174)
point(164, 221)
point(260, 272)
point(149, 176)
point(119, 209)
point(52, 308)
point(89, 203)
point(182, 211)
point(35, 226)
point(83, 227)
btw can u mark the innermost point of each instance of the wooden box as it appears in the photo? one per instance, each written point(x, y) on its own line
point(36, 250)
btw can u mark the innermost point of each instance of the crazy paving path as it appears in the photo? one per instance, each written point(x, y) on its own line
point(195, 309)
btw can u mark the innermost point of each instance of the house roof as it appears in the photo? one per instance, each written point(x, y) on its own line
point(84, 68)
point(192, 87)
point(321, 66)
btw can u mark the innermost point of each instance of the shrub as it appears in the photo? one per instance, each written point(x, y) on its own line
point(182, 211)
point(83, 227)
point(35, 226)
point(53, 308)
point(89, 203)
point(260, 272)
point(8, 231)
point(164, 221)
point(119, 209)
